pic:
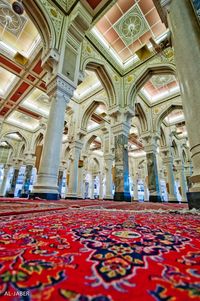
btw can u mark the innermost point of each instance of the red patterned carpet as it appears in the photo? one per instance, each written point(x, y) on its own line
point(10, 206)
point(100, 255)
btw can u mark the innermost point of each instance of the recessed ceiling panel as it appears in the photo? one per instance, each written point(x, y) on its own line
point(6, 81)
point(23, 121)
point(18, 33)
point(128, 26)
point(131, 26)
point(37, 101)
point(160, 87)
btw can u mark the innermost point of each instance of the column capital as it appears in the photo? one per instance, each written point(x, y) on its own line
point(150, 142)
point(121, 128)
point(167, 160)
point(29, 158)
point(108, 157)
point(16, 162)
point(119, 114)
point(76, 145)
point(166, 153)
point(59, 87)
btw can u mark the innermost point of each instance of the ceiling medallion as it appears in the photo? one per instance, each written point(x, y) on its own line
point(131, 26)
point(10, 21)
point(162, 80)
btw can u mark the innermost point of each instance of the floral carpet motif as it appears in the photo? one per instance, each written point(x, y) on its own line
point(99, 255)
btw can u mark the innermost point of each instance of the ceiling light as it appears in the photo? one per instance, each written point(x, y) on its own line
point(18, 7)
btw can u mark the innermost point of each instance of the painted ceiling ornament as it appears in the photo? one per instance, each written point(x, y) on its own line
point(9, 20)
point(160, 81)
point(131, 26)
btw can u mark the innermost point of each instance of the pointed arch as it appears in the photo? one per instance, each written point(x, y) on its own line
point(88, 113)
point(21, 152)
point(139, 112)
point(144, 76)
point(163, 141)
point(166, 111)
point(39, 139)
point(88, 142)
point(103, 75)
point(175, 149)
point(19, 132)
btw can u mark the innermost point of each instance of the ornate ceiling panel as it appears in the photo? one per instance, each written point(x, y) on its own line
point(6, 79)
point(23, 120)
point(128, 26)
point(176, 116)
point(10, 21)
point(131, 26)
point(17, 32)
point(160, 87)
point(37, 101)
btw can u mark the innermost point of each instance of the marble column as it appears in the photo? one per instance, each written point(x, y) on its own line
point(60, 181)
point(92, 187)
point(121, 180)
point(168, 162)
point(135, 190)
point(100, 186)
point(46, 187)
point(188, 174)
point(150, 147)
point(73, 169)
point(11, 192)
point(80, 192)
point(146, 195)
point(5, 180)
point(182, 179)
point(109, 182)
point(186, 42)
point(27, 181)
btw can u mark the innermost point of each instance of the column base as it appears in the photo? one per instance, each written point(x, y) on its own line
point(71, 196)
point(10, 195)
point(193, 200)
point(24, 195)
point(155, 199)
point(122, 197)
point(107, 199)
point(45, 196)
point(172, 199)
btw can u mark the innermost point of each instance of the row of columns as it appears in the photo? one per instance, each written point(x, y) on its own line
point(60, 92)
point(76, 183)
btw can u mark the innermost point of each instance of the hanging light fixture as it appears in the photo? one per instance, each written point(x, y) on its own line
point(18, 7)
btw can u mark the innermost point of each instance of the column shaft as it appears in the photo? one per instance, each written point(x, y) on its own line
point(73, 176)
point(47, 180)
point(109, 182)
point(5, 181)
point(186, 32)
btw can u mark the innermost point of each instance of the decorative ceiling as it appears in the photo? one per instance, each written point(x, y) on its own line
point(17, 32)
point(126, 27)
point(23, 120)
point(6, 79)
point(38, 102)
point(129, 25)
point(89, 85)
point(176, 116)
point(160, 87)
